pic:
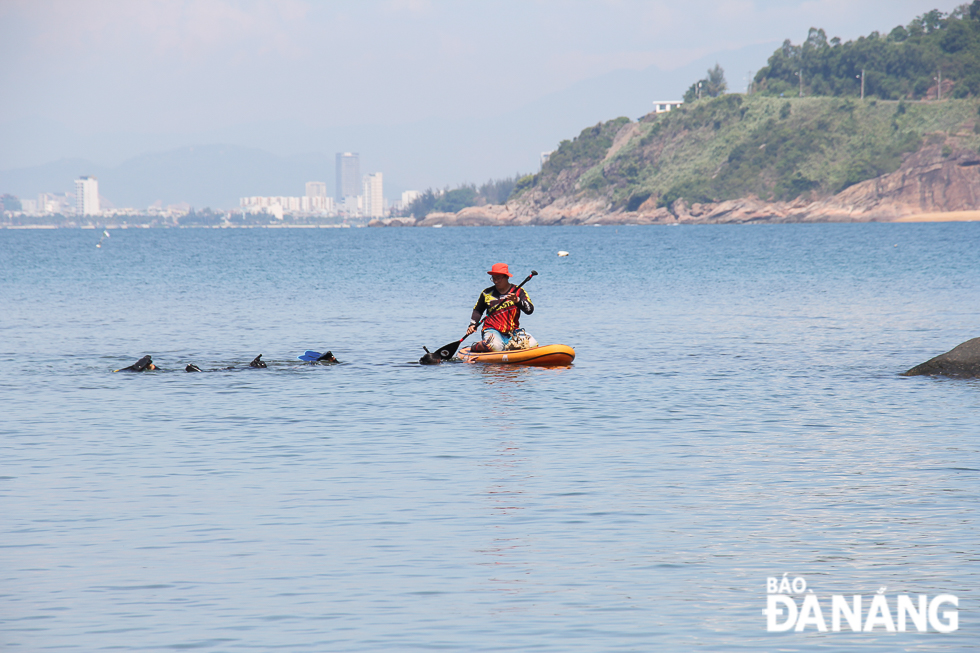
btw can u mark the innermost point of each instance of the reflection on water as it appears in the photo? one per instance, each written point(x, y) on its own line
point(503, 374)
point(506, 491)
point(505, 495)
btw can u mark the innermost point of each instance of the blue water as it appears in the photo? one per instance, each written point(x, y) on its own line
point(734, 413)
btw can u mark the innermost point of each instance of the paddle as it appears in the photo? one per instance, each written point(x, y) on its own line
point(448, 351)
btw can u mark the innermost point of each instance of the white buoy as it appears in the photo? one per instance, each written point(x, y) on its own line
point(563, 253)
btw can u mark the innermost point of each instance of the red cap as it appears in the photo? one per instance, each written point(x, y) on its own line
point(499, 268)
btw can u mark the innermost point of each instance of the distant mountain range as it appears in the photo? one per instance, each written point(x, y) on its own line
point(215, 169)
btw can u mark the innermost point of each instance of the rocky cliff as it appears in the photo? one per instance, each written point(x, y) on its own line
point(926, 182)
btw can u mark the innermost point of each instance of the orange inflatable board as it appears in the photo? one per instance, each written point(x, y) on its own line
point(544, 356)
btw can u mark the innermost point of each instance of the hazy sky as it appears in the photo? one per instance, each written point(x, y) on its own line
point(194, 64)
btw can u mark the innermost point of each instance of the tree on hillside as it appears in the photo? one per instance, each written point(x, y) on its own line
point(711, 86)
point(495, 191)
point(904, 64)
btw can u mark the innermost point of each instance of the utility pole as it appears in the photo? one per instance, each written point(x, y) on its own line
point(862, 83)
point(699, 90)
point(800, 75)
point(939, 85)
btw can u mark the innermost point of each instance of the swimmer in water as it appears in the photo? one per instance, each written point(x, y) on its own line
point(142, 365)
point(327, 358)
point(257, 362)
point(429, 358)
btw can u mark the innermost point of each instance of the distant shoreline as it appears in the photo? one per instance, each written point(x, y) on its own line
point(146, 226)
point(949, 216)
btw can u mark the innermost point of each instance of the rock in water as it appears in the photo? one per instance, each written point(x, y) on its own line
point(961, 361)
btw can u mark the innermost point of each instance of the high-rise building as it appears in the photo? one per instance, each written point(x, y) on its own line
point(348, 175)
point(374, 199)
point(316, 189)
point(305, 204)
point(87, 196)
point(352, 205)
point(55, 202)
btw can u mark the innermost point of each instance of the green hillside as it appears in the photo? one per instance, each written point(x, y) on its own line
point(733, 146)
point(776, 144)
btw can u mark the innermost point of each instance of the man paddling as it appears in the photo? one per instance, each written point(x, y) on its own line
point(504, 303)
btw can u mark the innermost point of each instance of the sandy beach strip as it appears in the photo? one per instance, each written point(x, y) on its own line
point(950, 216)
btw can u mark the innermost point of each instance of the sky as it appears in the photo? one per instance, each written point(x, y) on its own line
point(106, 80)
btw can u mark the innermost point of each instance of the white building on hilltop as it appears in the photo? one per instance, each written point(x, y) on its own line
point(374, 200)
point(664, 107)
point(87, 196)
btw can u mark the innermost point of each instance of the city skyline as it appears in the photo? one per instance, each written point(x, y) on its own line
point(364, 196)
point(370, 202)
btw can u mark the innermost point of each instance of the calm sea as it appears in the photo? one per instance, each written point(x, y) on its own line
point(734, 414)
